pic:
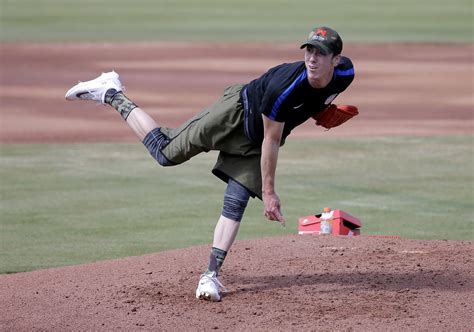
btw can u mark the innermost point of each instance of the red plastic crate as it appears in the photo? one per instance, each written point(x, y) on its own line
point(342, 224)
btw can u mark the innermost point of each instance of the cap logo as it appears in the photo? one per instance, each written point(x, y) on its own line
point(321, 32)
point(319, 35)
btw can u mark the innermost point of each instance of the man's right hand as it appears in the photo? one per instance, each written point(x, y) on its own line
point(272, 208)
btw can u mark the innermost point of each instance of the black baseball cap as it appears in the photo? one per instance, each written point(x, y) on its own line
point(325, 39)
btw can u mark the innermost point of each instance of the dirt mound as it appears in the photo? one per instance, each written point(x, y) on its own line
point(282, 283)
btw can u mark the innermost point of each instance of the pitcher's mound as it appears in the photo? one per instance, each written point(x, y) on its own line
point(281, 283)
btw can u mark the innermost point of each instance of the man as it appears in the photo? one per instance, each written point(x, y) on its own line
point(247, 125)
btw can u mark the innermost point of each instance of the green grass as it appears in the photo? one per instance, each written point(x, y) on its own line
point(231, 20)
point(68, 204)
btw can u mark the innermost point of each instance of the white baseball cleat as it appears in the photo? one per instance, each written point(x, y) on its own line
point(95, 89)
point(208, 287)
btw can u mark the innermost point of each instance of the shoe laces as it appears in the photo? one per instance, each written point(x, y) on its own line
point(212, 277)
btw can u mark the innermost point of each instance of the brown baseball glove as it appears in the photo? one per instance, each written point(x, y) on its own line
point(335, 115)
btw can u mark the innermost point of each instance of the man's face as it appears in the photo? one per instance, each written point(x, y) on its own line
point(319, 67)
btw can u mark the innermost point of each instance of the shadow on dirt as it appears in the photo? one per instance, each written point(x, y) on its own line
point(396, 281)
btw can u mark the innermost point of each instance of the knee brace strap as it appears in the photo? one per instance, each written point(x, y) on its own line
point(155, 141)
point(235, 201)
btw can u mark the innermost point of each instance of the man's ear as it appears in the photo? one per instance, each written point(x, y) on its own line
point(336, 60)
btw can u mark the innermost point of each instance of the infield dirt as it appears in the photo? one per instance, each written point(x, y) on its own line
point(283, 283)
point(321, 283)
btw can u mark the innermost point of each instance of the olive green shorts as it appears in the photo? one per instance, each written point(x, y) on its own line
point(221, 128)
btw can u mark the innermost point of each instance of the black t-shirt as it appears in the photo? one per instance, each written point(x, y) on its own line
point(284, 94)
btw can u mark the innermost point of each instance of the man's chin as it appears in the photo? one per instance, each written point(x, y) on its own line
point(314, 76)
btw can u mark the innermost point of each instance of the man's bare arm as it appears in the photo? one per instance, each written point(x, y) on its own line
point(271, 145)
